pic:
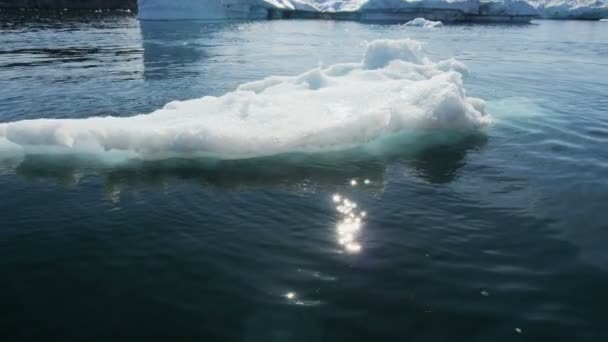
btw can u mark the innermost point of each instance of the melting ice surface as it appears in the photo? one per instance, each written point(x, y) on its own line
point(394, 91)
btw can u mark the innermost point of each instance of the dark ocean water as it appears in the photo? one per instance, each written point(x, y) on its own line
point(502, 236)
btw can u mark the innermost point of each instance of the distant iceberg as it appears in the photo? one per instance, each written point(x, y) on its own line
point(402, 10)
point(571, 9)
point(421, 22)
point(445, 10)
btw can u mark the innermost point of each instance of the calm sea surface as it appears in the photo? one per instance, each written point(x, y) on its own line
point(500, 237)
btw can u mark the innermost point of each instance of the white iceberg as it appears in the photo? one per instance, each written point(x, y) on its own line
point(395, 92)
point(421, 22)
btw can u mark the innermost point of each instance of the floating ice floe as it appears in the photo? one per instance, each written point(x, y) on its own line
point(421, 22)
point(394, 92)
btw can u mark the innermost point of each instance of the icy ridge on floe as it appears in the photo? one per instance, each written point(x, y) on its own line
point(393, 93)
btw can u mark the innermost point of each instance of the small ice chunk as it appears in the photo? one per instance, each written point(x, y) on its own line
point(421, 22)
point(518, 330)
point(353, 182)
point(485, 293)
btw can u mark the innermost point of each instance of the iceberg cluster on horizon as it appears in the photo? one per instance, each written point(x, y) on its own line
point(445, 10)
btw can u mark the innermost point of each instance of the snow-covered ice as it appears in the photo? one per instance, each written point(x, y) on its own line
point(393, 93)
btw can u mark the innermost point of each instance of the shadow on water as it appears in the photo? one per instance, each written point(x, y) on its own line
point(438, 163)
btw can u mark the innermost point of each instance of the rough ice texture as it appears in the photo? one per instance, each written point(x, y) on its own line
point(394, 92)
point(421, 22)
point(571, 9)
point(318, 5)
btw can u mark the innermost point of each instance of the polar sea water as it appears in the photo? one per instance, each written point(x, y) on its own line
point(302, 180)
